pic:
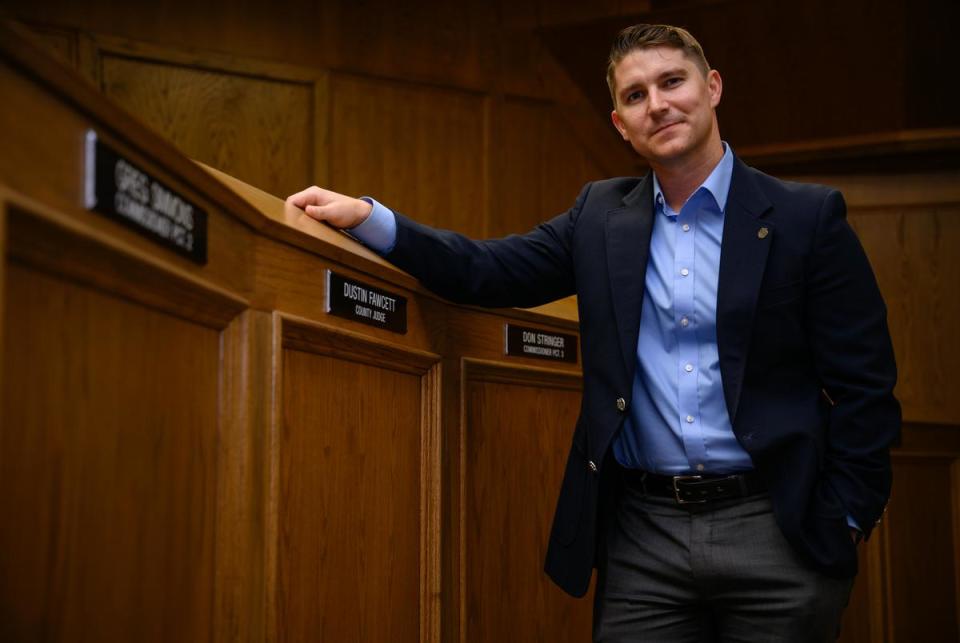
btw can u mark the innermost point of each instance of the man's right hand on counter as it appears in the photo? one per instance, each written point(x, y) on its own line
point(336, 209)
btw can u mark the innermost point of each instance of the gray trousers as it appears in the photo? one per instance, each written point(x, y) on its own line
point(712, 572)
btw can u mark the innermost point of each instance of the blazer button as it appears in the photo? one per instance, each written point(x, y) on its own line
point(621, 404)
point(592, 466)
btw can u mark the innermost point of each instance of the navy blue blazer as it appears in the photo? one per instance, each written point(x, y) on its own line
point(805, 355)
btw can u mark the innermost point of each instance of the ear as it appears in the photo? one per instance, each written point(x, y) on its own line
point(714, 86)
point(619, 125)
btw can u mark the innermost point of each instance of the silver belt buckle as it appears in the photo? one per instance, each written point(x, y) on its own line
point(676, 490)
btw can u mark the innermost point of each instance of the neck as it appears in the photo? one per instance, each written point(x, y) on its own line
point(680, 178)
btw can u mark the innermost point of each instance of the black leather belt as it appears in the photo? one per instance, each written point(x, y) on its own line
point(696, 489)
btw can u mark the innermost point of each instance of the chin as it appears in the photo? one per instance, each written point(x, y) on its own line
point(667, 153)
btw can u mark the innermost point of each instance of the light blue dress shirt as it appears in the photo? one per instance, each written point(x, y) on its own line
point(678, 419)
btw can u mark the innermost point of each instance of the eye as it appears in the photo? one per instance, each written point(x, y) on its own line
point(634, 96)
point(673, 81)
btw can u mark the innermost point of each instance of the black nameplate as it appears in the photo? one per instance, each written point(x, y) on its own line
point(352, 299)
point(120, 189)
point(540, 344)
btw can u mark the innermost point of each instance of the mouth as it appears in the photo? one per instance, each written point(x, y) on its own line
point(665, 127)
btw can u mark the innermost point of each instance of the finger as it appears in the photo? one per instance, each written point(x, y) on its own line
point(311, 196)
point(328, 213)
point(318, 212)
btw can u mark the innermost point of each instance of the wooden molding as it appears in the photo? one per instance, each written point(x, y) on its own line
point(58, 244)
point(893, 149)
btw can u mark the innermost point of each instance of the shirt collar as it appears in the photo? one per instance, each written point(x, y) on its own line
point(717, 184)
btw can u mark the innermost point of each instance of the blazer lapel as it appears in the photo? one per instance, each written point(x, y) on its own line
point(743, 256)
point(628, 232)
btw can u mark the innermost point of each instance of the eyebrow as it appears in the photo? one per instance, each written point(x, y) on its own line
point(667, 73)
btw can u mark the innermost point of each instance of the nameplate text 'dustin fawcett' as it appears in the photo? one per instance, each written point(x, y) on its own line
point(361, 302)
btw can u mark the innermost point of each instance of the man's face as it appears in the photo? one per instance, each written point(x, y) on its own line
point(665, 105)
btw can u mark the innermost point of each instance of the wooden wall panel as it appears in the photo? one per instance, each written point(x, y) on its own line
point(907, 587)
point(62, 43)
point(909, 225)
point(516, 166)
point(922, 531)
point(537, 166)
point(517, 427)
point(259, 129)
point(419, 149)
point(357, 541)
point(440, 42)
point(107, 461)
point(567, 164)
point(913, 252)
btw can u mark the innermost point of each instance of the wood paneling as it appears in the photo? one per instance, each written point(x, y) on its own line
point(417, 148)
point(797, 71)
point(516, 166)
point(922, 588)
point(517, 426)
point(353, 520)
point(62, 43)
point(909, 225)
point(258, 129)
point(537, 166)
point(175, 472)
point(913, 254)
point(438, 42)
point(54, 136)
point(907, 587)
point(107, 460)
point(246, 544)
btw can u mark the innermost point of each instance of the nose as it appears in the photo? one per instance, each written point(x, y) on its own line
point(656, 102)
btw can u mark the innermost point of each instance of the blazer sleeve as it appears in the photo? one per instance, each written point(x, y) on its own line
point(518, 270)
point(853, 355)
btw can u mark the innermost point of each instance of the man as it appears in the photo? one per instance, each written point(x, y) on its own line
point(732, 445)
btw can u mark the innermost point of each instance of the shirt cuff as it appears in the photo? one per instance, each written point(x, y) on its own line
point(853, 523)
point(379, 230)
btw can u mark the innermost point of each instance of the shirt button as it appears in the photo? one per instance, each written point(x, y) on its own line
point(684, 272)
point(621, 404)
point(699, 467)
point(686, 227)
point(688, 368)
point(689, 419)
point(684, 322)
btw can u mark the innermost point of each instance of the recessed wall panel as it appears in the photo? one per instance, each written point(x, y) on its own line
point(349, 501)
point(108, 453)
point(516, 440)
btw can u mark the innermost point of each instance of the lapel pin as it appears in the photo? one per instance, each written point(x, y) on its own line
point(763, 232)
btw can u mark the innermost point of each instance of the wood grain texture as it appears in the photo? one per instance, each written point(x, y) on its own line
point(258, 129)
point(62, 43)
point(99, 293)
point(243, 478)
point(87, 257)
point(417, 148)
point(357, 509)
point(912, 250)
point(923, 592)
point(907, 586)
point(108, 464)
point(537, 166)
point(53, 140)
point(517, 425)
